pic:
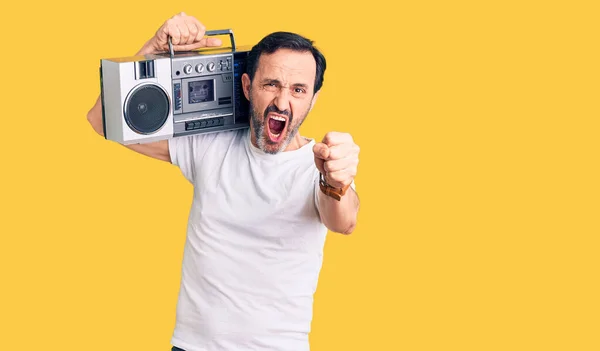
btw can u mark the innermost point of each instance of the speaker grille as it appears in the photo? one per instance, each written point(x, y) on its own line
point(146, 109)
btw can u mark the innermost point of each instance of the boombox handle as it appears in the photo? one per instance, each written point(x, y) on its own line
point(209, 33)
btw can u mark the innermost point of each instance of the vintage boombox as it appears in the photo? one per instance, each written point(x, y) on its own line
point(166, 95)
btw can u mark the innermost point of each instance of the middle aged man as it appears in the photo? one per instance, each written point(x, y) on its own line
point(260, 211)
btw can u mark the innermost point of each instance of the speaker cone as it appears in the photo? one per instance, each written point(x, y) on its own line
point(146, 109)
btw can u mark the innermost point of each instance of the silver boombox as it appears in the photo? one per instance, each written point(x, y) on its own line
point(162, 96)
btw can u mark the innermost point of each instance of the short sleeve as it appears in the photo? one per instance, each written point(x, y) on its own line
point(184, 154)
point(189, 152)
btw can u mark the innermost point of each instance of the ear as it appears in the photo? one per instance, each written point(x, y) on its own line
point(246, 85)
point(314, 100)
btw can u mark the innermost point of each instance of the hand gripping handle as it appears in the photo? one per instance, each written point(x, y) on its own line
point(210, 33)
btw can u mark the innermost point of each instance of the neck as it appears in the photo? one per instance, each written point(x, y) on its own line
point(297, 142)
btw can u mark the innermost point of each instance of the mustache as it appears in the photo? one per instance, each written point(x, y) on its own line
point(273, 108)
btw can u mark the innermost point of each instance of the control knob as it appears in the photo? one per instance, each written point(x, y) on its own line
point(199, 68)
point(211, 66)
point(187, 69)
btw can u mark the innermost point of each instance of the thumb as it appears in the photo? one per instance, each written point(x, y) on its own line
point(321, 151)
point(210, 42)
point(320, 164)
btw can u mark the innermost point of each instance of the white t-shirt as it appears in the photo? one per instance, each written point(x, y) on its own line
point(254, 245)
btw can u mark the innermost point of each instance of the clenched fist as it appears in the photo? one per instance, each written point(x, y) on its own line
point(186, 32)
point(336, 157)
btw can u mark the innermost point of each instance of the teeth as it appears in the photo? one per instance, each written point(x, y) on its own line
point(275, 135)
point(277, 118)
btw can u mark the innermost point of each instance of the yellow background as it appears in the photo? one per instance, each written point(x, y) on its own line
point(478, 123)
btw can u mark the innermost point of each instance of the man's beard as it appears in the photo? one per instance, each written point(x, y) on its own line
point(258, 126)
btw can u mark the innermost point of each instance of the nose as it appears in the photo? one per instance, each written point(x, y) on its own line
point(282, 100)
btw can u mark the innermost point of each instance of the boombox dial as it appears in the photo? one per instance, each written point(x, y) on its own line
point(199, 68)
point(211, 66)
point(187, 69)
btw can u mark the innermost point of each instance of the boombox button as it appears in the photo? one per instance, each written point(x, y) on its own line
point(202, 124)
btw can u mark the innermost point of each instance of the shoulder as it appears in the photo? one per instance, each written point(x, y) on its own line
point(196, 146)
point(207, 139)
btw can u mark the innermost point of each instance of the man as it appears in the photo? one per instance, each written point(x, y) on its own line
point(260, 215)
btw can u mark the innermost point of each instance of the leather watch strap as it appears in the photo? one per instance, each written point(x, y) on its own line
point(328, 190)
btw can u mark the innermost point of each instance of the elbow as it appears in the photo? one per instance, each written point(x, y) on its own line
point(94, 117)
point(90, 119)
point(345, 230)
point(349, 230)
point(95, 122)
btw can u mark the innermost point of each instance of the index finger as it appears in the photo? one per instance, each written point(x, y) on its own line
point(336, 138)
point(199, 26)
point(208, 41)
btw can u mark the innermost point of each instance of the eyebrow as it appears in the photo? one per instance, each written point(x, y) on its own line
point(276, 81)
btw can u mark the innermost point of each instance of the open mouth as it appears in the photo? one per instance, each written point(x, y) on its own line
point(275, 126)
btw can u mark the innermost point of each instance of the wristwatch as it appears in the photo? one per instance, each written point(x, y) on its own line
point(328, 190)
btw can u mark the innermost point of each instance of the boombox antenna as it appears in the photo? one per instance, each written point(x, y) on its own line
point(210, 33)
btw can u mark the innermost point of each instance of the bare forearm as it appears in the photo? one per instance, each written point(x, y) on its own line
point(339, 216)
point(147, 48)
